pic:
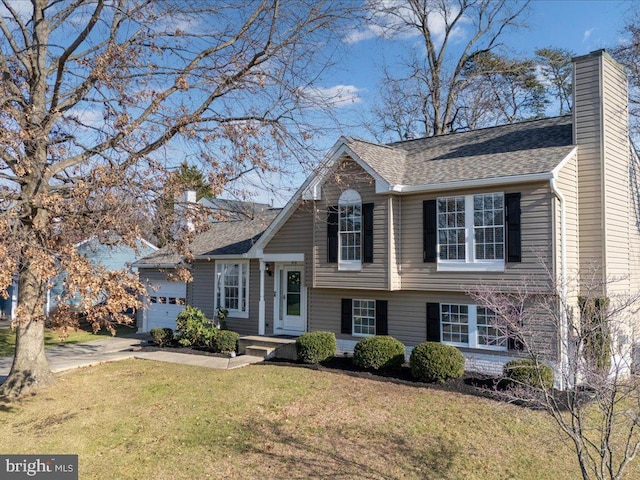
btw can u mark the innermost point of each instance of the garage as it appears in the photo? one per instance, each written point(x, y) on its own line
point(165, 300)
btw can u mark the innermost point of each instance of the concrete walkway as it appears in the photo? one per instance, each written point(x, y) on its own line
point(109, 349)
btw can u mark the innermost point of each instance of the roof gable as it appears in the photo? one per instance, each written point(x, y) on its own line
point(524, 151)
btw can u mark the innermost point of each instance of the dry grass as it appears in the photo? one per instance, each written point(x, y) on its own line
point(52, 337)
point(141, 420)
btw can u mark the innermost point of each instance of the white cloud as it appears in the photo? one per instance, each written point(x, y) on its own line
point(87, 117)
point(587, 34)
point(336, 96)
point(391, 19)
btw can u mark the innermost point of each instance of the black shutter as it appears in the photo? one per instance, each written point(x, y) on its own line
point(513, 231)
point(347, 315)
point(332, 235)
point(429, 230)
point(381, 318)
point(433, 322)
point(367, 232)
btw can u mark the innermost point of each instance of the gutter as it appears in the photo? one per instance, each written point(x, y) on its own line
point(564, 325)
point(159, 265)
point(481, 182)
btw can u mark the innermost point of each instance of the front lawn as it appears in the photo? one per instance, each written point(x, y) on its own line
point(52, 338)
point(139, 419)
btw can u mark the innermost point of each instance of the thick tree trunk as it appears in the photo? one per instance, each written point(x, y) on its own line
point(30, 367)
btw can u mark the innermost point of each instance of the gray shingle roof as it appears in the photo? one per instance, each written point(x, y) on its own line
point(524, 148)
point(222, 238)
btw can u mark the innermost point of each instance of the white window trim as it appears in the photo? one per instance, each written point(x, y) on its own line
point(349, 198)
point(470, 263)
point(473, 330)
point(353, 318)
point(233, 312)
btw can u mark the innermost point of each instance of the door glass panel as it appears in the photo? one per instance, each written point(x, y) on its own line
point(293, 293)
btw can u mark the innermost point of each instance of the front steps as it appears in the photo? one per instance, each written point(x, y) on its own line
point(268, 347)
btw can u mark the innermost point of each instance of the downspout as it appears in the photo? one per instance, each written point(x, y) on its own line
point(564, 326)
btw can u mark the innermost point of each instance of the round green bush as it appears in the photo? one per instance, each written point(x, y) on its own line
point(527, 372)
point(193, 328)
point(161, 336)
point(224, 341)
point(315, 347)
point(436, 362)
point(379, 353)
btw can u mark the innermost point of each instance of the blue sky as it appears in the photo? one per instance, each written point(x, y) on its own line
point(580, 26)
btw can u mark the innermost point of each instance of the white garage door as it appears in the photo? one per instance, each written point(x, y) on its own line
point(165, 301)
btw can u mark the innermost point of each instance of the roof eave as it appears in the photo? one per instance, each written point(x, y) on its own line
point(481, 182)
point(159, 265)
point(241, 256)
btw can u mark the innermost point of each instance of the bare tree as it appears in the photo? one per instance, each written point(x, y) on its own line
point(628, 54)
point(98, 96)
point(434, 76)
point(598, 408)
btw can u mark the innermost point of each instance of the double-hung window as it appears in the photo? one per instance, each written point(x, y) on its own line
point(350, 230)
point(472, 326)
point(232, 288)
point(364, 317)
point(471, 232)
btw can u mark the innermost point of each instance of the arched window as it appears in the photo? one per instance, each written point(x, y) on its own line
point(350, 228)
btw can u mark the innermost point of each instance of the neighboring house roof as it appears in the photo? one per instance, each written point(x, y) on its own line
point(232, 238)
point(233, 208)
point(524, 148)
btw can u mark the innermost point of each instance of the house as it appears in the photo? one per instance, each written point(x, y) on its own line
point(220, 270)
point(225, 209)
point(108, 253)
point(105, 253)
point(387, 239)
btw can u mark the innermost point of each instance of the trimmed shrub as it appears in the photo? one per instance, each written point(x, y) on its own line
point(224, 341)
point(526, 372)
point(161, 336)
point(381, 352)
point(315, 347)
point(436, 362)
point(193, 328)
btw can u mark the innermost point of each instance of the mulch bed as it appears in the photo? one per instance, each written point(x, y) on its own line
point(470, 383)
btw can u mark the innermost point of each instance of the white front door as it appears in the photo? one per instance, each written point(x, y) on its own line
point(291, 304)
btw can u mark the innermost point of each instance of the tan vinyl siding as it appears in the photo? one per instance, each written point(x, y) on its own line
point(616, 176)
point(601, 126)
point(372, 275)
point(588, 137)
point(568, 185)
point(535, 204)
point(407, 315)
point(634, 224)
point(296, 236)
